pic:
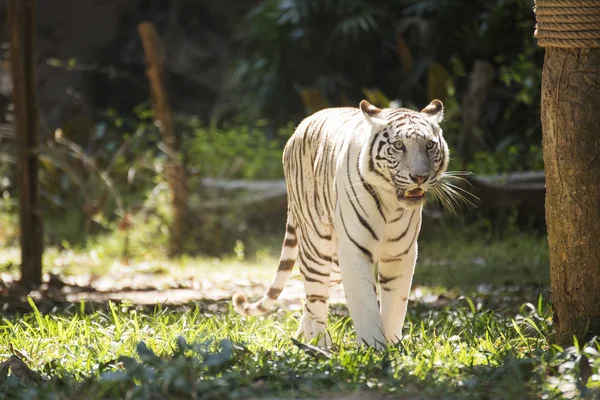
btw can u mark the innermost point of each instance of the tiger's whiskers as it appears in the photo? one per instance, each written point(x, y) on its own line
point(452, 196)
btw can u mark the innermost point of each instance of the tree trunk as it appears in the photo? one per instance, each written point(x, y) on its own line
point(472, 106)
point(174, 169)
point(571, 128)
point(22, 56)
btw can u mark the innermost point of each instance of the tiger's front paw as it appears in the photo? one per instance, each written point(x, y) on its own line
point(372, 338)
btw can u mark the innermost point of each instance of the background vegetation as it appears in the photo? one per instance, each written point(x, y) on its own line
point(292, 58)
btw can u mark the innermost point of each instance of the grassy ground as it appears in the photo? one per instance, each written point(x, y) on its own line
point(479, 327)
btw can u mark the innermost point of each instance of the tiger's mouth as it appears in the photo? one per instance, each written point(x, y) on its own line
point(412, 195)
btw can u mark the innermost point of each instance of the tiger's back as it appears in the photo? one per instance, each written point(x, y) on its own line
point(310, 161)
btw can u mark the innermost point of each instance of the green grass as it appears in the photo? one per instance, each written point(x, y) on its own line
point(488, 337)
point(465, 261)
point(455, 351)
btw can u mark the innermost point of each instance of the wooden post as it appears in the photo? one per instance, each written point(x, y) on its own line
point(568, 29)
point(175, 170)
point(21, 21)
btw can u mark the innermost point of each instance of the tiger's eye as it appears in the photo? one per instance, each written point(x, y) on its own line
point(430, 144)
point(399, 146)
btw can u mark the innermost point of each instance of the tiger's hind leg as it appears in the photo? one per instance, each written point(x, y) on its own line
point(315, 259)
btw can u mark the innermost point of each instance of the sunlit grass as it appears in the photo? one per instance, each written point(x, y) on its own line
point(464, 347)
point(451, 352)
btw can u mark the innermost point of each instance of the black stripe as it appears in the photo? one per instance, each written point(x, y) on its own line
point(372, 163)
point(370, 190)
point(374, 195)
point(298, 178)
point(361, 219)
point(286, 265)
point(443, 156)
point(306, 277)
point(410, 246)
point(261, 308)
point(398, 114)
point(290, 242)
point(314, 251)
point(310, 257)
point(323, 120)
point(307, 212)
point(309, 279)
point(313, 298)
point(387, 279)
point(392, 259)
point(377, 156)
point(315, 272)
point(405, 231)
point(307, 130)
point(398, 218)
point(366, 252)
point(350, 180)
point(326, 162)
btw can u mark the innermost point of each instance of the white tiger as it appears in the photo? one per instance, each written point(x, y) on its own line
point(356, 181)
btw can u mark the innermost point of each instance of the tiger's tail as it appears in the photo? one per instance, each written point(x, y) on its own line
point(289, 253)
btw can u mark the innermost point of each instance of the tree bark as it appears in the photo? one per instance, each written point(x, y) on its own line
point(174, 169)
point(571, 136)
point(21, 21)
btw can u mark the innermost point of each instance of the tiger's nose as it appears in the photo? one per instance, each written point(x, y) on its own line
point(418, 179)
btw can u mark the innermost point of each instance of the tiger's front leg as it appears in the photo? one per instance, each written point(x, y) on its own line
point(395, 279)
point(361, 297)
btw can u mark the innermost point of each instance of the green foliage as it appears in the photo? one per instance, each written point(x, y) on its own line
point(510, 158)
point(481, 257)
point(457, 351)
point(300, 55)
point(90, 186)
point(493, 343)
point(235, 152)
point(294, 57)
point(288, 46)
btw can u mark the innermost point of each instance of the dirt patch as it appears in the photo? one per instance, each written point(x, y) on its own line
point(144, 285)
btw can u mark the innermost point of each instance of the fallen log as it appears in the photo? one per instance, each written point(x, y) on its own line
point(500, 191)
point(524, 190)
point(238, 209)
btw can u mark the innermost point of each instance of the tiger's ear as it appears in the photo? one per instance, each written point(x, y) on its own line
point(371, 114)
point(434, 112)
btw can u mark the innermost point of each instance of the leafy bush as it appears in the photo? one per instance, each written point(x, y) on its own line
point(298, 56)
point(512, 158)
point(234, 152)
point(114, 179)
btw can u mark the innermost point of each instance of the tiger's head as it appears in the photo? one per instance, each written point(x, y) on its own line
point(406, 153)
